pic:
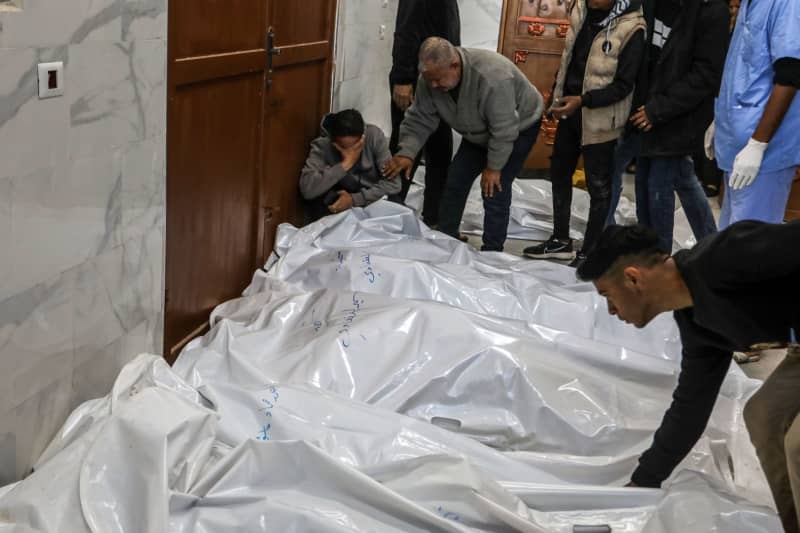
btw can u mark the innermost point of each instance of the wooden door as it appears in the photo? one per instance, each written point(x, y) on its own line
point(532, 34)
point(222, 173)
point(299, 95)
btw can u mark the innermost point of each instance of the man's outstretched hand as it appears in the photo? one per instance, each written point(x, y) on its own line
point(397, 165)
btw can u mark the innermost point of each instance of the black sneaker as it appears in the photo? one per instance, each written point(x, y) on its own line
point(578, 261)
point(551, 249)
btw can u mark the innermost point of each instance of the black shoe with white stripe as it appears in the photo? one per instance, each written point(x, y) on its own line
point(551, 249)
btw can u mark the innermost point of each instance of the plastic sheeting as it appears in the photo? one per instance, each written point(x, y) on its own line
point(401, 408)
point(157, 455)
point(532, 214)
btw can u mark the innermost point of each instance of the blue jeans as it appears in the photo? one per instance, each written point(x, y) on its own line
point(765, 199)
point(468, 163)
point(657, 181)
point(627, 150)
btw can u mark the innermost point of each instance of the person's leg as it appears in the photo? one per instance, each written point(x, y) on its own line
point(397, 118)
point(642, 185)
point(626, 151)
point(792, 446)
point(694, 200)
point(468, 163)
point(707, 172)
point(563, 161)
point(599, 160)
point(316, 208)
point(725, 210)
point(394, 140)
point(664, 172)
point(438, 153)
point(765, 199)
point(771, 418)
point(497, 208)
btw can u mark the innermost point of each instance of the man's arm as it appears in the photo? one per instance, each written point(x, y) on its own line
point(419, 122)
point(704, 75)
point(630, 59)
point(500, 111)
point(787, 82)
point(380, 148)
point(317, 177)
point(407, 40)
point(702, 371)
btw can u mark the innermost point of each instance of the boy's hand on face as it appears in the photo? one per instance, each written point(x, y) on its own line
point(351, 155)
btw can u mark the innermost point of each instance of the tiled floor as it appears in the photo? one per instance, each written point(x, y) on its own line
point(763, 368)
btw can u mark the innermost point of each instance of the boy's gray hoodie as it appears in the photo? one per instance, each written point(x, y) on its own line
point(323, 169)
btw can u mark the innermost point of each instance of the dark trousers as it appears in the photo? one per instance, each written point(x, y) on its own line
point(598, 162)
point(469, 162)
point(317, 208)
point(657, 181)
point(707, 171)
point(627, 151)
point(772, 416)
point(438, 153)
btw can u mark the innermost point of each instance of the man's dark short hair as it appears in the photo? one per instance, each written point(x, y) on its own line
point(638, 242)
point(346, 123)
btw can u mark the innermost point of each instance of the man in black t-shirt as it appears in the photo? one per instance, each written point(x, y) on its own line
point(735, 290)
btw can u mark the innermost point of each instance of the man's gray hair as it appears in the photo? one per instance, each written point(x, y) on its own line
point(436, 52)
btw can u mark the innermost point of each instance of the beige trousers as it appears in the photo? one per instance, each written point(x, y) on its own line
point(773, 419)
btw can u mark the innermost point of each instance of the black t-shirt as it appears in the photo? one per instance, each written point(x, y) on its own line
point(666, 13)
point(745, 286)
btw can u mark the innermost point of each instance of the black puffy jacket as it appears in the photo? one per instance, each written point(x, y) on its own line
point(416, 21)
point(679, 98)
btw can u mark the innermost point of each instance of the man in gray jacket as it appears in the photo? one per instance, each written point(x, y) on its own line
point(343, 169)
point(487, 99)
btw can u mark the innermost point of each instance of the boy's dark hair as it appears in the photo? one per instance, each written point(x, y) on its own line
point(346, 123)
point(616, 242)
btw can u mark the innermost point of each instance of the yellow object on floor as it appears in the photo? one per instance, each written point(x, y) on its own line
point(579, 179)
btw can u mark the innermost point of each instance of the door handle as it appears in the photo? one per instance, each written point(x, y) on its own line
point(271, 52)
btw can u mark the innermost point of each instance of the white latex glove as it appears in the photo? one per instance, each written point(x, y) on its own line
point(709, 142)
point(747, 164)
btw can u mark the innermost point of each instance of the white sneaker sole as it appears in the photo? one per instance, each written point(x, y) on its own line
point(564, 256)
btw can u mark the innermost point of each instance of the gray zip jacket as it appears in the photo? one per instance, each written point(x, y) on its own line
point(495, 102)
point(323, 169)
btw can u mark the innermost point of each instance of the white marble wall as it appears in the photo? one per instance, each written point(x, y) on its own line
point(364, 59)
point(82, 187)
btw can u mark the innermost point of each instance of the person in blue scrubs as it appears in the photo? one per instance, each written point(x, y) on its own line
point(756, 134)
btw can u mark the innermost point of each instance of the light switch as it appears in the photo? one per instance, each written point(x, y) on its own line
point(51, 79)
point(385, 3)
point(382, 31)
